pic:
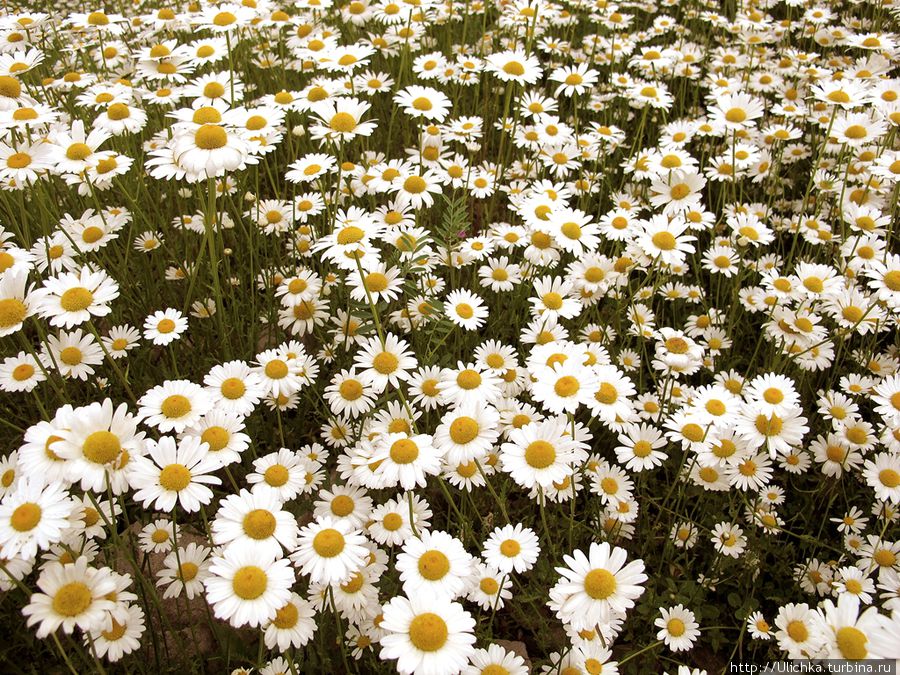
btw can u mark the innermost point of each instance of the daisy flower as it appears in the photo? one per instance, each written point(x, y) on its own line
point(293, 625)
point(233, 387)
point(165, 326)
point(20, 373)
point(339, 120)
point(466, 309)
point(70, 596)
point(541, 453)
point(384, 364)
point(184, 571)
point(32, 517)
point(344, 503)
point(514, 66)
point(98, 443)
point(467, 433)
point(425, 636)
point(678, 628)
point(489, 589)
point(174, 473)
point(329, 551)
point(434, 564)
point(423, 103)
point(496, 659)
point(247, 587)
point(174, 405)
point(845, 632)
point(512, 548)
point(597, 585)
point(72, 299)
point(882, 474)
point(283, 472)
point(256, 520)
point(16, 303)
point(406, 461)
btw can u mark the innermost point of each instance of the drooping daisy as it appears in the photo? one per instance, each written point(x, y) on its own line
point(293, 625)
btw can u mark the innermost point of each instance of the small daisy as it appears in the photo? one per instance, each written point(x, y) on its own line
point(184, 571)
point(293, 625)
point(165, 326)
point(465, 309)
point(512, 548)
point(678, 628)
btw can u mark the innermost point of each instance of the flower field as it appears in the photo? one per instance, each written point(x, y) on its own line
point(448, 336)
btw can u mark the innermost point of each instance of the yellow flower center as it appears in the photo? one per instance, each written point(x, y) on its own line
point(540, 454)
point(175, 406)
point(664, 241)
point(259, 524)
point(249, 582)
point(463, 430)
point(101, 447)
point(385, 363)
point(599, 584)
point(433, 565)
point(210, 137)
point(404, 451)
point(276, 369)
point(72, 599)
point(415, 185)
point(25, 517)
point(851, 643)
point(175, 477)
point(428, 632)
point(392, 522)
point(12, 312)
point(232, 388)
point(276, 475)
point(328, 543)
point(566, 386)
